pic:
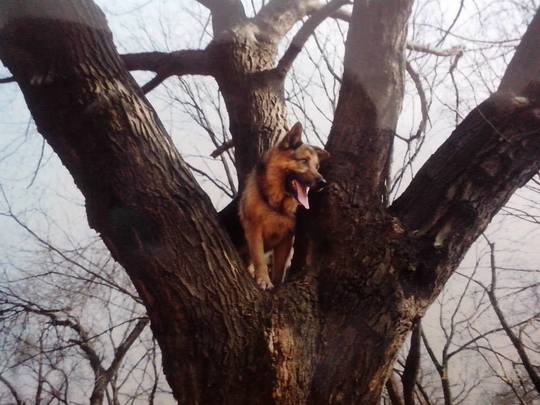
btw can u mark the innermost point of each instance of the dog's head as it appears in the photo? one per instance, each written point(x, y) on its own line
point(301, 163)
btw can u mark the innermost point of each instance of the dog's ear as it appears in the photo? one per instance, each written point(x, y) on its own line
point(321, 153)
point(293, 139)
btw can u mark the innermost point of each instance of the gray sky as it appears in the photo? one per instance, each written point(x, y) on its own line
point(42, 192)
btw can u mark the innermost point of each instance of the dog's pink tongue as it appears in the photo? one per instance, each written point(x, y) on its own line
point(302, 194)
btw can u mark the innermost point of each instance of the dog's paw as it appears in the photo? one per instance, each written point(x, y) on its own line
point(264, 282)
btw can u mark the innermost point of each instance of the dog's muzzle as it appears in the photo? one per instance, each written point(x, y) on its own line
point(321, 183)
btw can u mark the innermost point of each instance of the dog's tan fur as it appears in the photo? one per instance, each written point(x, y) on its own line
point(268, 209)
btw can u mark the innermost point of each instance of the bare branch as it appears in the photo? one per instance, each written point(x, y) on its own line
point(84, 341)
point(105, 376)
point(423, 101)
point(222, 148)
point(48, 245)
point(431, 353)
point(345, 15)
point(126, 344)
point(214, 181)
point(434, 51)
point(449, 29)
point(442, 369)
point(12, 390)
point(516, 341)
point(153, 83)
point(327, 10)
point(305, 32)
point(7, 80)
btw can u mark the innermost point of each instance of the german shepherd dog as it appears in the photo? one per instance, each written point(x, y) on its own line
point(274, 189)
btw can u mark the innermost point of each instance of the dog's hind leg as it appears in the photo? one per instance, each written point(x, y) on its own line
point(281, 254)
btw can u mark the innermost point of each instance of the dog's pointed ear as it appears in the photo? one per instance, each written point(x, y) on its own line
point(293, 139)
point(321, 153)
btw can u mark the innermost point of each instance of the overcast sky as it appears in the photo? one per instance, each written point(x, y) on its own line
point(41, 191)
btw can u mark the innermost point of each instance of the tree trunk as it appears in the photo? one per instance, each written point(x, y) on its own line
point(367, 311)
point(141, 198)
point(331, 334)
point(253, 93)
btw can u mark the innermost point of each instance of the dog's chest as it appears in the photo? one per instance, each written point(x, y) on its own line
point(275, 229)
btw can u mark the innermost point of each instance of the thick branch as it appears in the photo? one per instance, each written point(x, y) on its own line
point(186, 62)
point(225, 13)
point(370, 98)
point(192, 61)
point(279, 16)
point(463, 185)
point(495, 150)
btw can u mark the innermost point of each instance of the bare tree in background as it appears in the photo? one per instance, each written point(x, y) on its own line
point(52, 340)
point(517, 373)
point(367, 270)
point(474, 355)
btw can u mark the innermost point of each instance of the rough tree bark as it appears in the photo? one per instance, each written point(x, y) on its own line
point(331, 334)
point(140, 197)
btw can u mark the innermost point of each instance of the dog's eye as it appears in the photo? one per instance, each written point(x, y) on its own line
point(304, 161)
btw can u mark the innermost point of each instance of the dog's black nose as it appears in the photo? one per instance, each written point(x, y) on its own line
point(321, 183)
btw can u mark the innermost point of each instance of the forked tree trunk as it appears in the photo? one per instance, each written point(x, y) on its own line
point(331, 334)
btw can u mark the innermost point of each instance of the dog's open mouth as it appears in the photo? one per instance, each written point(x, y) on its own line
point(301, 193)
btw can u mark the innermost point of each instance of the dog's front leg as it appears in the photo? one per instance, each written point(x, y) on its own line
point(281, 254)
point(255, 243)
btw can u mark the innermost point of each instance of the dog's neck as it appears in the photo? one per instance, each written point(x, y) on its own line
point(271, 185)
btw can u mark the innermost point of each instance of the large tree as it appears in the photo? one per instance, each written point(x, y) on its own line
point(364, 271)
